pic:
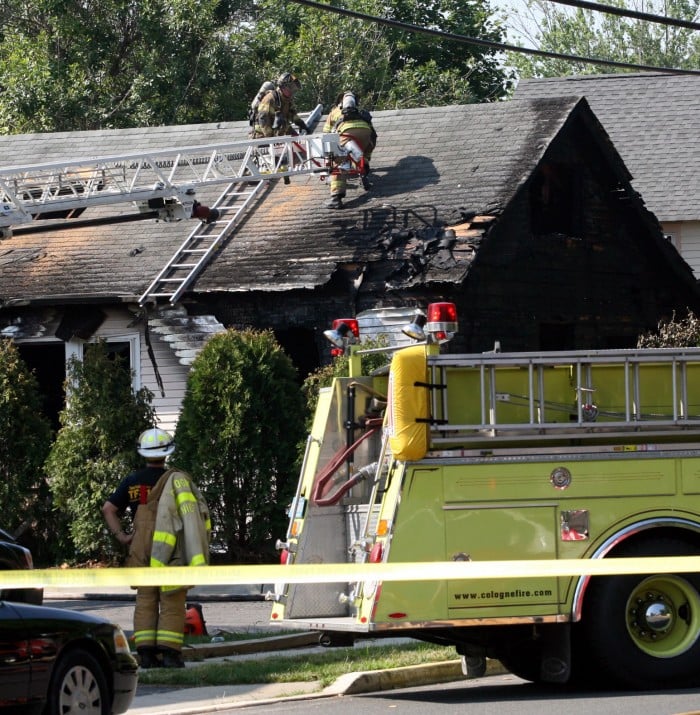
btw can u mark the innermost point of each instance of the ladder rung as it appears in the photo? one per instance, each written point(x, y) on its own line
point(184, 265)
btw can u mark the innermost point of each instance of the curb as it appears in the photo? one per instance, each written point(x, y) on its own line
point(409, 676)
point(202, 651)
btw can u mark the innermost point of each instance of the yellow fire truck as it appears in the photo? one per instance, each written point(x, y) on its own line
point(507, 456)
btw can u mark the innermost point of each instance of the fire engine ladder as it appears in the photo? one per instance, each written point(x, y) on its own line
point(581, 394)
point(163, 184)
point(251, 169)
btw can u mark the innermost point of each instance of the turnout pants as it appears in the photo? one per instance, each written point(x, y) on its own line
point(159, 618)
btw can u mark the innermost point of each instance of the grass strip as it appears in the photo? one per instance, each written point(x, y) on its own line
point(325, 667)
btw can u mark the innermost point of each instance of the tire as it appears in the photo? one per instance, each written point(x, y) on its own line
point(521, 655)
point(78, 687)
point(642, 631)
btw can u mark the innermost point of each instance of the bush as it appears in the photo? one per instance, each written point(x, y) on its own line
point(25, 440)
point(683, 333)
point(96, 447)
point(323, 377)
point(242, 417)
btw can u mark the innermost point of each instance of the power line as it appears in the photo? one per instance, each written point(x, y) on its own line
point(465, 39)
point(610, 9)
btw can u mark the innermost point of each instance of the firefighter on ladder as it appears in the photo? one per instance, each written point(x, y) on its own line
point(358, 138)
point(171, 527)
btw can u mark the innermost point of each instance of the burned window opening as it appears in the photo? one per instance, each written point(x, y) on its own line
point(554, 203)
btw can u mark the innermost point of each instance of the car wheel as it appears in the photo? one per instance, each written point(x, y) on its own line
point(78, 687)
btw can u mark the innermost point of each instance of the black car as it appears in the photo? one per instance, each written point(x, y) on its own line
point(14, 556)
point(60, 662)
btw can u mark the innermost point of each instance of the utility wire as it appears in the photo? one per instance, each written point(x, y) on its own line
point(465, 39)
point(660, 19)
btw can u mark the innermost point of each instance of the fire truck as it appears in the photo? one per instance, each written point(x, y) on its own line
point(503, 456)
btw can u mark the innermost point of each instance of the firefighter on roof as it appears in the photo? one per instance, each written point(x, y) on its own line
point(171, 527)
point(275, 111)
point(358, 137)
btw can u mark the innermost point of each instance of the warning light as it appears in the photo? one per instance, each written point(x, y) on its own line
point(284, 557)
point(344, 331)
point(375, 555)
point(442, 321)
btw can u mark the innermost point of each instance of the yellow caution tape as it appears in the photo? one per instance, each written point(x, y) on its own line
point(335, 573)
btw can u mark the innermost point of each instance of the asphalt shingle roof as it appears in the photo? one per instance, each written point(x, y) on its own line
point(654, 122)
point(430, 166)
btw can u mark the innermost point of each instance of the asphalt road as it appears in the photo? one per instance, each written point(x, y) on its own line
point(238, 616)
point(497, 695)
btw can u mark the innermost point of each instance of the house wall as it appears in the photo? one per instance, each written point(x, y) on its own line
point(37, 331)
point(685, 236)
point(173, 375)
point(596, 286)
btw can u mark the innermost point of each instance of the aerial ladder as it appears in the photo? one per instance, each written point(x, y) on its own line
point(163, 184)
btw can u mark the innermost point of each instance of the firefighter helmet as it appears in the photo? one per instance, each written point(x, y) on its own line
point(155, 444)
point(349, 102)
point(288, 80)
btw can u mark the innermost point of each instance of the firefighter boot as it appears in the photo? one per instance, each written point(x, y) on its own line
point(171, 658)
point(148, 658)
point(336, 202)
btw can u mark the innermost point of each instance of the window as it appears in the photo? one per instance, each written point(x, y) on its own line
point(125, 346)
point(553, 199)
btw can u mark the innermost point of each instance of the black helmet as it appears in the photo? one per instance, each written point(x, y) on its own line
point(287, 79)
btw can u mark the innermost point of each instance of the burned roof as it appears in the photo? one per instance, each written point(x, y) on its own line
point(440, 175)
point(654, 121)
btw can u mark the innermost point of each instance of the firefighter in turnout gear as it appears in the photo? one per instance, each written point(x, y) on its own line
point(171, 527)
point(358, 138)
point(275, 112)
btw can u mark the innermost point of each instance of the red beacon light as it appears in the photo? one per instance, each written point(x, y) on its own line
point(441, 321)
point(344, 331)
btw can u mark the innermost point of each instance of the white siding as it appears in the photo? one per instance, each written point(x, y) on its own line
point(173, 376)
point(172, 373)
point(686, 238)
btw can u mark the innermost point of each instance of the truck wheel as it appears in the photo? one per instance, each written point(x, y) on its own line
point(643, 630)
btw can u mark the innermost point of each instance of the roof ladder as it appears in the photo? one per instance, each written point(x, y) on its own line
point(196, 250)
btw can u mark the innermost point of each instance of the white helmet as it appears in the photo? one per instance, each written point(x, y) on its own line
point(349, 102)
point(155, 444)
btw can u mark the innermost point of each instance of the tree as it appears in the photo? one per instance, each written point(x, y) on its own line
point(388, 67)
point(242, 418)
point(96, 446)
point(25, 440)
point(82, 64)
point(605, 36)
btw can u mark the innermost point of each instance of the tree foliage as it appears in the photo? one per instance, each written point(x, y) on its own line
point(25, 440)
point(82, 64)
point(96, 446)
point(604, 36)
point(242, 418)
point(389, 67)
point(674, 333)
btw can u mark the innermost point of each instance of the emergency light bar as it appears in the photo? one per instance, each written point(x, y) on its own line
point(442, 321)
point(439, 325)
